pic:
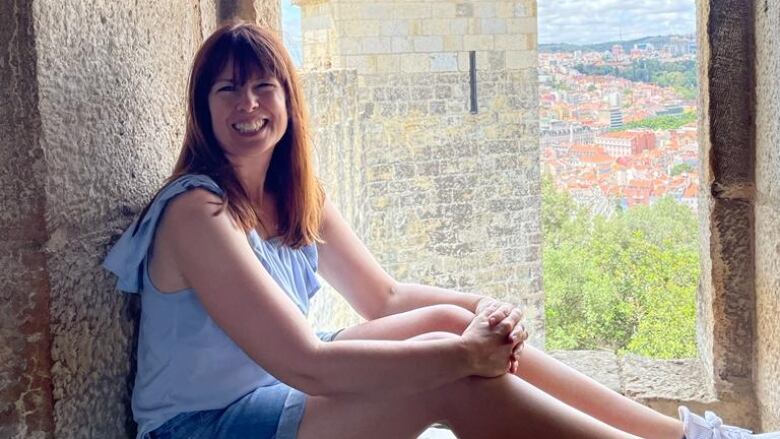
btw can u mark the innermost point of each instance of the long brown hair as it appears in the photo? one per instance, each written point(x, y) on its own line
point(290, 176)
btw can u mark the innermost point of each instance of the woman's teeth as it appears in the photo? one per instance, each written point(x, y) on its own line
point(249, 127)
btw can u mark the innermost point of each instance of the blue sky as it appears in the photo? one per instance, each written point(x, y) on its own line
point(578, 21)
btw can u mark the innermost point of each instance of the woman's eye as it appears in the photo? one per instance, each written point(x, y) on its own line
point(264, 84)
point(226, 88)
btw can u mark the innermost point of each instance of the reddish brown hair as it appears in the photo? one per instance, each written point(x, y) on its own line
point(290, 176)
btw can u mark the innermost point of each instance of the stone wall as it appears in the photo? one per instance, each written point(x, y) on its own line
point(377, 36)
point(332, 100)
point(726, 300)
point(25, 341)
point(454, 197)
point(767, 213)
point(448, 196)
point(91, 118)
point(111, 112)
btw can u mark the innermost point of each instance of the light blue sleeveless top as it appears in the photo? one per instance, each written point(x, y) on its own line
point(185, 361)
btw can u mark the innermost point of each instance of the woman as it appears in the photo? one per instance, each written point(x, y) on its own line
point(225, 259)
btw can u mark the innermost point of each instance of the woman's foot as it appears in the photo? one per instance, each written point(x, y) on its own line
point(711, 427)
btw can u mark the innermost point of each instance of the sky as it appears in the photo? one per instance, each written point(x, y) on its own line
point(577, 21)
point(598, 21)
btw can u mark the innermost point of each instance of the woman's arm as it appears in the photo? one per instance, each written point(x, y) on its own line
point(407, 296)
point(349, 267)
point(215, 259)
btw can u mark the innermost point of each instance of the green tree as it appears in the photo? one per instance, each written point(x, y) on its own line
point(679, 169)
point(670, 122)
point(682, 76)
point(625, 283)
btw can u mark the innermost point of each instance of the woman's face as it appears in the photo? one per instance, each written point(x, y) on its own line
point(250, 118)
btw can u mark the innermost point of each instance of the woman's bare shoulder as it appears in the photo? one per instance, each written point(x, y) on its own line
point(181, 212)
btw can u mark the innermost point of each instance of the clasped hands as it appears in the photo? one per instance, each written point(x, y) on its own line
point(498, 335)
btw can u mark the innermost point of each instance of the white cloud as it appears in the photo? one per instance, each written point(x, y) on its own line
point(576, 21)
point(593, 21)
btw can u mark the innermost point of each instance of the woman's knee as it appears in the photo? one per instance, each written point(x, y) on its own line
point(451, 318)
point(436, 335)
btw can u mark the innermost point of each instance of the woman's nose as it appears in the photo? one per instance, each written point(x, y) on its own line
point(247, 101)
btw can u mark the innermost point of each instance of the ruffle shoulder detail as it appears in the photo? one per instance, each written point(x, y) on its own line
point(126, 257)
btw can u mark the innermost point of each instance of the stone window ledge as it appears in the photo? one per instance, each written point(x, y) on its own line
point(666, 384)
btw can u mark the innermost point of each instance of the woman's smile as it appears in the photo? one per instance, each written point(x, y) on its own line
point(251, 127)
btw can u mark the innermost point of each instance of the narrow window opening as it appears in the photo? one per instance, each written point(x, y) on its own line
point(473, 81)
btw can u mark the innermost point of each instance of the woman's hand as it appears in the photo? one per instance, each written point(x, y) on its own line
point(499, 312)
point(492, 347)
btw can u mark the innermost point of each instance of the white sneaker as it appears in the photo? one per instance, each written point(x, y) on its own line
point(711, 427)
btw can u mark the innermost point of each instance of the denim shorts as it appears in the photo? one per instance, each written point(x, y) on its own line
point(268, 412)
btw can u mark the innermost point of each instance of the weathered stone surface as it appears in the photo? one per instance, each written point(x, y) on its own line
point(704, 318)
point(25, 341)
point(733, 293)
point(731, 102)
point(110, 103)
point(263, 12)
point(683, 380)
point(727, 291)
point(767, 213)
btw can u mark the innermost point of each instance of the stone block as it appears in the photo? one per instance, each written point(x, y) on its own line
point(428, 44)
point(376, 45)
point(394, 28)
point(465, 9)
point(478, 42)
point(412, 10)
point(767, 361)
point(767, 213)
point(459, 26)
point(525, 25)
point(521, 59)
point(401, 44)
point(442, 9)
point(444, 62)
point(463, 62)
point(683, 380)
point(359, 28)
point(520, 10)
point(492, 26)
point(349, 46)
point(436, 26)
point(316, 22)
point(388, 63)
point(418, 62)
point(453, 43)
point(514, 42)
point(505, 9)
point(484, 9)
point(363, 63)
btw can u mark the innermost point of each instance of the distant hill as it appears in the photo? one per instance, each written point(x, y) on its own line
point(657, 41)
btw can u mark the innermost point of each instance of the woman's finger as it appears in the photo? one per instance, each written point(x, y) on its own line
point(500, 314)
point(514, 317)
point(518, 334)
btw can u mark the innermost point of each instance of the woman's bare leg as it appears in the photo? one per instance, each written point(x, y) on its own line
point(595, 399)
point(475, 408)
point(536, 367)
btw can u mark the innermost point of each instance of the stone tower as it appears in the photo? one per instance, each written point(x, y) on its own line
point(443, 152)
